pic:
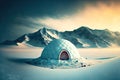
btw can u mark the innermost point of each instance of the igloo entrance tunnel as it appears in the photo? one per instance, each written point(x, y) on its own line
point(59, 52)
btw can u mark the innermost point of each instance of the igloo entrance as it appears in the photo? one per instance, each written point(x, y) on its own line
point(64, 55)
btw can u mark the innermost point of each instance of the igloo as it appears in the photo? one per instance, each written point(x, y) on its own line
point(59, 52)
point(60, 49)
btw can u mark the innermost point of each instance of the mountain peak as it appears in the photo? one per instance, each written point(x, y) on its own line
point(43, 30)
point(83, 28)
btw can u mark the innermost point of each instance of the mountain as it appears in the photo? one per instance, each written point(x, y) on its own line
point(82, 37)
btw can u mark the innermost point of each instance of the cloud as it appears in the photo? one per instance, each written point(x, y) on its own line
point(99, 16)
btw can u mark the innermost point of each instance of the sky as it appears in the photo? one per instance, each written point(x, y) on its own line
point(18, 17)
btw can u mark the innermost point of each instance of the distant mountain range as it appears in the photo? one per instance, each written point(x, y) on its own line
point(82, 37)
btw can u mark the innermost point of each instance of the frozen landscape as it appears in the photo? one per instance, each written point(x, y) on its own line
point(106, 65)
point(59, 39)
point(99, 50)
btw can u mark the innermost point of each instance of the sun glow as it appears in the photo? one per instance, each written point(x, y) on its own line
point(101, 16)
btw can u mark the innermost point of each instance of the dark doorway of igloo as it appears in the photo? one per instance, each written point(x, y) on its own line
point(64, 55)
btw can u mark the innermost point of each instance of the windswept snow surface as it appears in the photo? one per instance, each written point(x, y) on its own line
point(108, 69)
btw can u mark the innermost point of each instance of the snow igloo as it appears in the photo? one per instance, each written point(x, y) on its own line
point(60, 49)
point(60, 52)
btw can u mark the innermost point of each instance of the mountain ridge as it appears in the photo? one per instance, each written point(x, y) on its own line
point(83, 37)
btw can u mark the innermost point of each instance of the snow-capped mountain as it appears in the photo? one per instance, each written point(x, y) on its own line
point(82, 37)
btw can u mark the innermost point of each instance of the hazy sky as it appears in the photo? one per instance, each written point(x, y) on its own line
point(25, 16)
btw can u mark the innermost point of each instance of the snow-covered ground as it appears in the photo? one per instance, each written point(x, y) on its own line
point(107, 69)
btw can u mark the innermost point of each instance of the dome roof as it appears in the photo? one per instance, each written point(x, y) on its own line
point(60, 49)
